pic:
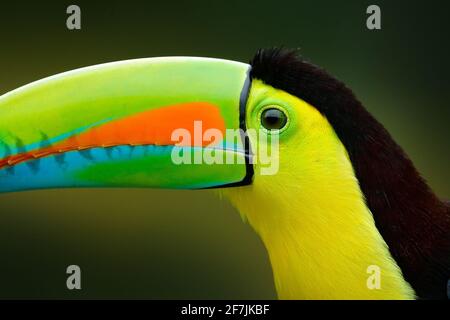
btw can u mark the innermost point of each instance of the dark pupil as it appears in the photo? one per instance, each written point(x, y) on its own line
point(273, 119)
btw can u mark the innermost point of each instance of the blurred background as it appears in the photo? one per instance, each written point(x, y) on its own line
point(138, 243)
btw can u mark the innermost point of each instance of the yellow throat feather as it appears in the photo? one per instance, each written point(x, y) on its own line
point(312, 217)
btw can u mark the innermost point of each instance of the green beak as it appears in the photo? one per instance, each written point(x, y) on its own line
point(172, 122)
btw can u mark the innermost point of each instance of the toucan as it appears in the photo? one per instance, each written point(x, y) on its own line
point(345, 199)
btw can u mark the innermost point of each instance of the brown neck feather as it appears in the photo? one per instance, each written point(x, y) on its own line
point(413, 221)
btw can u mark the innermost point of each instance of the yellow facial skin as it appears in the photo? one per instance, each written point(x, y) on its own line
point(311, 215)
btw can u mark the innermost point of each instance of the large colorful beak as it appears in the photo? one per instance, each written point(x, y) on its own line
point(159, 122)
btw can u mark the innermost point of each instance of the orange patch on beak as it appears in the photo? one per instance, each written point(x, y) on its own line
point(153, 127)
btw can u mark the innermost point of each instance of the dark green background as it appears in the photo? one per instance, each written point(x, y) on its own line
point(173, 244)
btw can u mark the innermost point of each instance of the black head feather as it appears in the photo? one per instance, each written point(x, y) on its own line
point(413, 221)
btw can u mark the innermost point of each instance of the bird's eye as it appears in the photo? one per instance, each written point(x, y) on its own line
point(273, 119)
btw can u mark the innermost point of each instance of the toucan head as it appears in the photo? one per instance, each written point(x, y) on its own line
point(175, 122)
point(288, 144)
